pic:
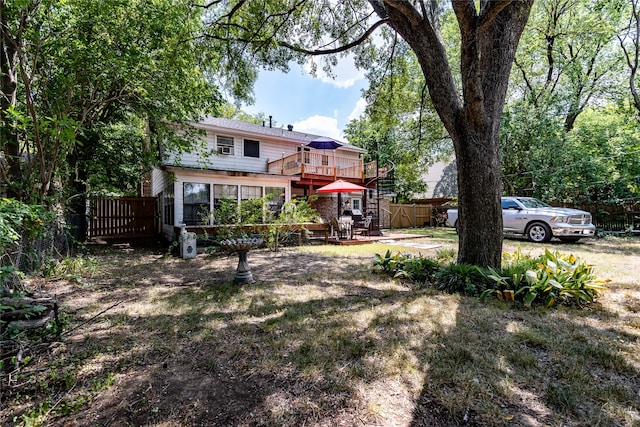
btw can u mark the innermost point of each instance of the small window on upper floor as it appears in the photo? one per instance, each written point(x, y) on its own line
point(251, 148)
point(225, 145)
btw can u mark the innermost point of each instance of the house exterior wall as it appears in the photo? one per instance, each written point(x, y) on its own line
point(199, 177)
point(208, 166)
point(159, 181)
point(441, 180)
point(271, 149)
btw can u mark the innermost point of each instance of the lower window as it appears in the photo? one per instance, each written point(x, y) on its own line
point(196, 203)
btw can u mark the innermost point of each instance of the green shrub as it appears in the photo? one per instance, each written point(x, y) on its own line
point(463, 278)
point(28, 236)
point(418, 269)
point(407, 266)
point(547, 279)
point(389, 263)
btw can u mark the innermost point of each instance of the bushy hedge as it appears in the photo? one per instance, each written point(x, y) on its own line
point(546, 279)
point(28, 239)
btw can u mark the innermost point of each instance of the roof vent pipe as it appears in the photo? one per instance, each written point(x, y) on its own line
point(263, 123)
point(290, 127)
point(270, 123)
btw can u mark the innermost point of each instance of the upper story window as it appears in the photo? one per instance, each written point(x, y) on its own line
point(251, 148)
point(225, 145)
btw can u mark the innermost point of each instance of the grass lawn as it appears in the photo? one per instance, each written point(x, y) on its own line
point(320, 339)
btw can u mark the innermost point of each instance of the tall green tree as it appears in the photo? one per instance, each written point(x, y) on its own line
point(629, 38)
point(568, 63)
point(271, 33)
point(101, 83)
point(568, 56)
point(15, 21)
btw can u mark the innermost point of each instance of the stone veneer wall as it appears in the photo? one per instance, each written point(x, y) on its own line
point(326, 207)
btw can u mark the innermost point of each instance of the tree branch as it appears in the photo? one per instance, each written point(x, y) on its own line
point(406, 8)
point(489, 9)
point(302, 50)
point(343, 48)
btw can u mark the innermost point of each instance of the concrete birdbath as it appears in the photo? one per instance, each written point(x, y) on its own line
point(242, 247)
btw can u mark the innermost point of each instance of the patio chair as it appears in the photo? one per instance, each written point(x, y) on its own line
point(364, 227)
point(339, 228)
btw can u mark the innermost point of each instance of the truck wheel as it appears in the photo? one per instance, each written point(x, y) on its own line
point(457, 227)
point(539, 232)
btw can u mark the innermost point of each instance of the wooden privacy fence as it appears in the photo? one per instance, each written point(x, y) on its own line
point(409, 215)
point(124, 217)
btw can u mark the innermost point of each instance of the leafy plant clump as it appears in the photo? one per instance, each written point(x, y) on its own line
point(277, 225)
point(407, 266)
point(27, 239)
point(548, 279)
point(462, 278)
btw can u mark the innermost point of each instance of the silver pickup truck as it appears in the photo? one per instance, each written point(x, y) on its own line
point(538, 221)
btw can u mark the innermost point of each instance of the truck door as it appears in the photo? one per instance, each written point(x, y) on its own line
point(511, 217)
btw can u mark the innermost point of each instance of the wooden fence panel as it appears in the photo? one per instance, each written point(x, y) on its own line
point(409, 215)
point(123, 217)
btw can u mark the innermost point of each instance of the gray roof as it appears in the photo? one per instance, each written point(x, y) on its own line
point(280, 133)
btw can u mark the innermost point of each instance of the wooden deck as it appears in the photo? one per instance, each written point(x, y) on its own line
point(331, 167)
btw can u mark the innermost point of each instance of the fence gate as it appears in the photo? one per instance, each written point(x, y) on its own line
point(409, 215)
point(124, 217)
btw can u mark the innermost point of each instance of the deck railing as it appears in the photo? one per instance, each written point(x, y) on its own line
point(329, 165)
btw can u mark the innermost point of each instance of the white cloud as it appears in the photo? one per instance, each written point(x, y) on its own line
point(345, 73)
point(319, 125)
point(358, 110)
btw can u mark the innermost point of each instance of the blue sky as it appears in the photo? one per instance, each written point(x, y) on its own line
point(321, 105)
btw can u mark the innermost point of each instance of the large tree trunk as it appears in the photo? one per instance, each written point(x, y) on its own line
point(489, 37)
point(479, 190)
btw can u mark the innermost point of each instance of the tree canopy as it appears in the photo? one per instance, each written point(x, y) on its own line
point(272, 33)
point(90, 87)
point(569, 108)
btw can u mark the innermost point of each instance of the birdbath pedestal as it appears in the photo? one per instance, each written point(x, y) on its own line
point(242, 248)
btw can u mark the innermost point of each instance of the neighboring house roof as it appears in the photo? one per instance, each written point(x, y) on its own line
point(280, 133)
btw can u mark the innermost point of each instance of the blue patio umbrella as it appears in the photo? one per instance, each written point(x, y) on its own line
point(324, 143)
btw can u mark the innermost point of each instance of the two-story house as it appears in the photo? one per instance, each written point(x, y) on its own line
point(249, 161)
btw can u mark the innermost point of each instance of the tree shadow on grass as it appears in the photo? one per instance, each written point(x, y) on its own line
point(530, 368)
point(320, 340)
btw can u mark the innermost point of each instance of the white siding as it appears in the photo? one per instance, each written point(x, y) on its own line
point(271, 149)
point(159, 180)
